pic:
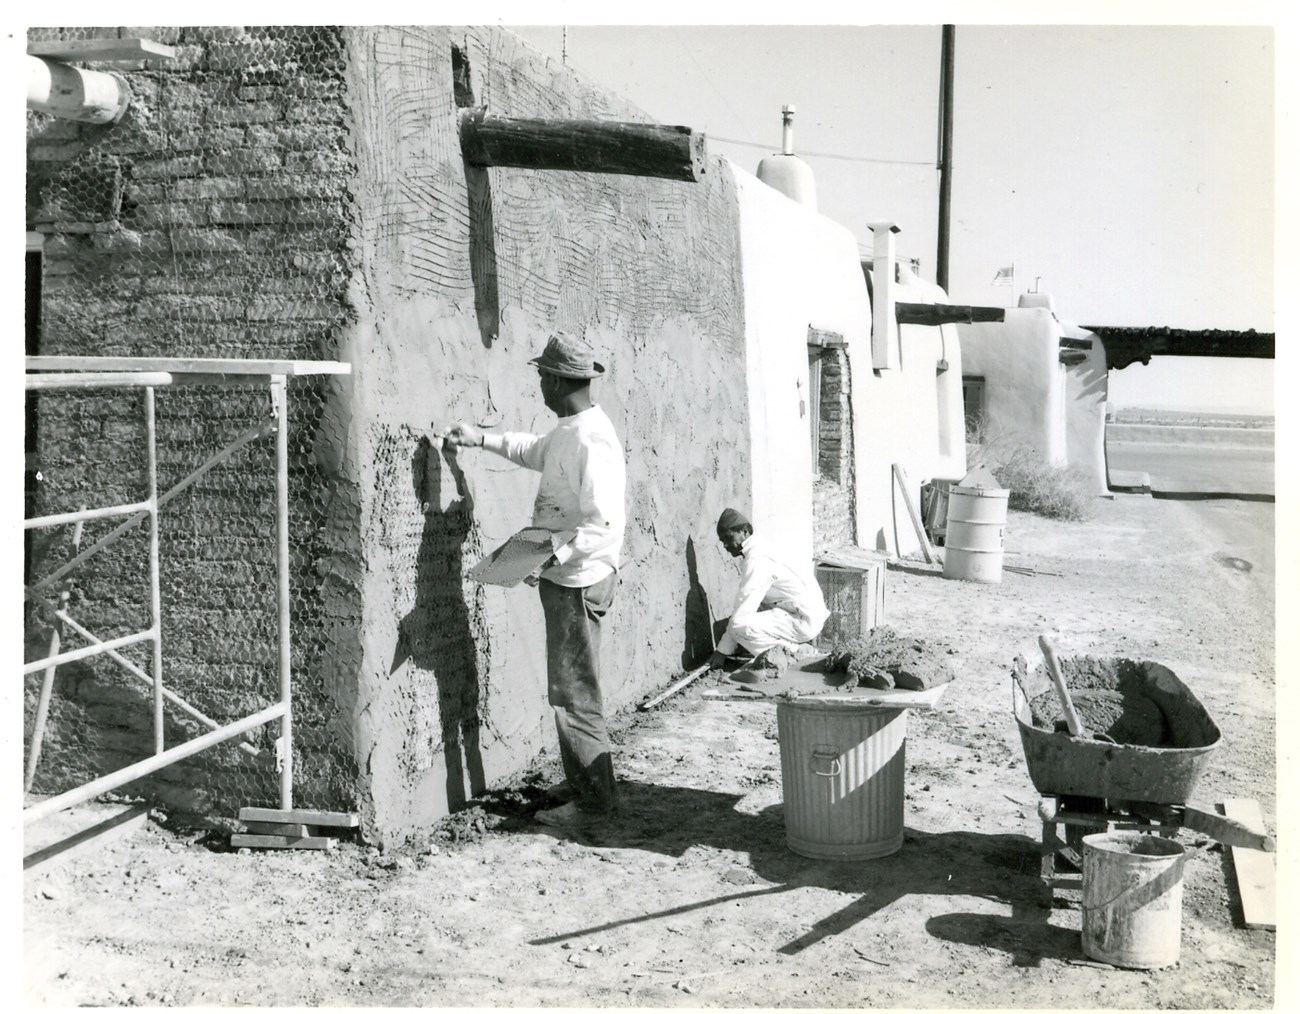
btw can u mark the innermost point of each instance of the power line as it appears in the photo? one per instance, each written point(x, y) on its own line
point(823, 154)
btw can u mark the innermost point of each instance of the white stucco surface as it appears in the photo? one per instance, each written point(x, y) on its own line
point(1024, 381)
point(1032, 399)
point(912, 416)
point(799, 269)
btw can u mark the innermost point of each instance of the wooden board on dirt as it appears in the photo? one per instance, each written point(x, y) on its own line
point(1256, 872)
point(317, 818)
point(275, 827)
point(279, 841)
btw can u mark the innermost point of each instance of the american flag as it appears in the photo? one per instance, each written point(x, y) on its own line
point(1005, 276)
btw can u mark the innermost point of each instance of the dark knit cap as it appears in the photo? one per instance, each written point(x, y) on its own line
point(731, 519)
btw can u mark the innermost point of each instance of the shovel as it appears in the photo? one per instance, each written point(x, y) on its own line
point(1072, 721)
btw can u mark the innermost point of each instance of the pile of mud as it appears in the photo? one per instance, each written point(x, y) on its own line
point(1111, 696)
point(885, 660)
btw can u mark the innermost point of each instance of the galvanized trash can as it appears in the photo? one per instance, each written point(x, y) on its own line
point(842, 768)
point(976, 528)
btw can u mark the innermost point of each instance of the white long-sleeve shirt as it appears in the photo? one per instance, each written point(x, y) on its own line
point(767, 582)
point(581, 489)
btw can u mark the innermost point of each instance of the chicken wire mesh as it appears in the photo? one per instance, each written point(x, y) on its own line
point(211, 221)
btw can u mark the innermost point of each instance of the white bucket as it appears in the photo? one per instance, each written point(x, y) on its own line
point(973, 544)
point(1132, 899)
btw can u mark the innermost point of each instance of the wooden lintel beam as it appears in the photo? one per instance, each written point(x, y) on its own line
point(823, 339)
point(1082, 344)
point(590, 146)
point(933, 314)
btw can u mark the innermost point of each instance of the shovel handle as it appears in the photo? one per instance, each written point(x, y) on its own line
point(1054, 670)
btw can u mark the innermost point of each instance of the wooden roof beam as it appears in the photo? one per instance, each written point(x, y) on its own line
point(590, 146)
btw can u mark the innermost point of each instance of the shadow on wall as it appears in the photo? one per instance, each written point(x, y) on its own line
point(700, 627)
point(482, 228)
point(436, 635)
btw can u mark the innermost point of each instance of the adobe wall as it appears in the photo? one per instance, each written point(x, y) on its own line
point(211, 221)
point(299, 193)
point(1024, 385)
point(464, 273)
point(1086, 388)
point(1032, 399)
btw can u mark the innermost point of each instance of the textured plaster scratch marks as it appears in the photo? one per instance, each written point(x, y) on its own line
point(410, 143)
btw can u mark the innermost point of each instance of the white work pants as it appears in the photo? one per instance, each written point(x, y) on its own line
point(769, 628)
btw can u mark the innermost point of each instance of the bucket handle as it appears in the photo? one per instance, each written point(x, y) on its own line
point(1146, 890)
point(836, 765)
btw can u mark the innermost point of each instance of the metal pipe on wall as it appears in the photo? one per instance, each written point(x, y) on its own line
point(71, 93)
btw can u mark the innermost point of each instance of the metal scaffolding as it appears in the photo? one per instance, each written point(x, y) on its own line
point(49, 373)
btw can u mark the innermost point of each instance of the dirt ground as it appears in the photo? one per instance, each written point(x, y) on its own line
point(690, 898)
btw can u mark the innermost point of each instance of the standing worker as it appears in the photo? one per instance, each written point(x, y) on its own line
point(778, 610)
point(581, 489)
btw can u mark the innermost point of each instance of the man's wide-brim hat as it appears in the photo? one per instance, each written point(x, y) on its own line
point(567, 356)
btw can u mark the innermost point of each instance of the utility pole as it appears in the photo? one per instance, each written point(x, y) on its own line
point(945, 156)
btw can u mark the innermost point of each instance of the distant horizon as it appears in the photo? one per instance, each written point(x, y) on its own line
point(1235, 411)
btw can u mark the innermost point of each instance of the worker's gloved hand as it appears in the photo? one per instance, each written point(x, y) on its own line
point(717, 660)
point(462, 435)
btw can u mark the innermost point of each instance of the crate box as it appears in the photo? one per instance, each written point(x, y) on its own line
point(853, 585)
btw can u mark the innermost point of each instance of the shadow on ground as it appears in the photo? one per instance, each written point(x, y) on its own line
point(668, 820)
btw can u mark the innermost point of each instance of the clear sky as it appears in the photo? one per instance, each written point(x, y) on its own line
point(1126, 170)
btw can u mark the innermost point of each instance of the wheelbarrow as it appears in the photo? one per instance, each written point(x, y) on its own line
point(1089, 783)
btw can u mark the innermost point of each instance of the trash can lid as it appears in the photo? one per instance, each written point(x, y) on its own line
point(979, 478)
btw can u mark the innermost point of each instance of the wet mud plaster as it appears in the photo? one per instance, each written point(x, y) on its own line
point(1111, 696)
point(461, 278)
point(886, 660)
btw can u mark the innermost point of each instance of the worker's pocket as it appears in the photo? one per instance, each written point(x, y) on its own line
point(600, 596)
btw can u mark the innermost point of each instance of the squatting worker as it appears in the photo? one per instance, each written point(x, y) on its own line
point(778, 610)
point(581, 488)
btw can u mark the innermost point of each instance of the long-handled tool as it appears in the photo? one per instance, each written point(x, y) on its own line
point(1062, 691)
point(681, 684)
point(1072, 721)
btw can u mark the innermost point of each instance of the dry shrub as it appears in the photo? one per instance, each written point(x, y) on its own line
point(1036, 487)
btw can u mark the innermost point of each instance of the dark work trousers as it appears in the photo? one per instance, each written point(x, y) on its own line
point(573, 618)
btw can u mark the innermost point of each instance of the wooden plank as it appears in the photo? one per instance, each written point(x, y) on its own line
point(130, 819)
point(901, 476)
point(279, 841)
point(1256, 872)
point(254, 367)
point(934, 314)
point(1225, 829)
point(101, 50)
point(275, 827)
point(318, 818)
